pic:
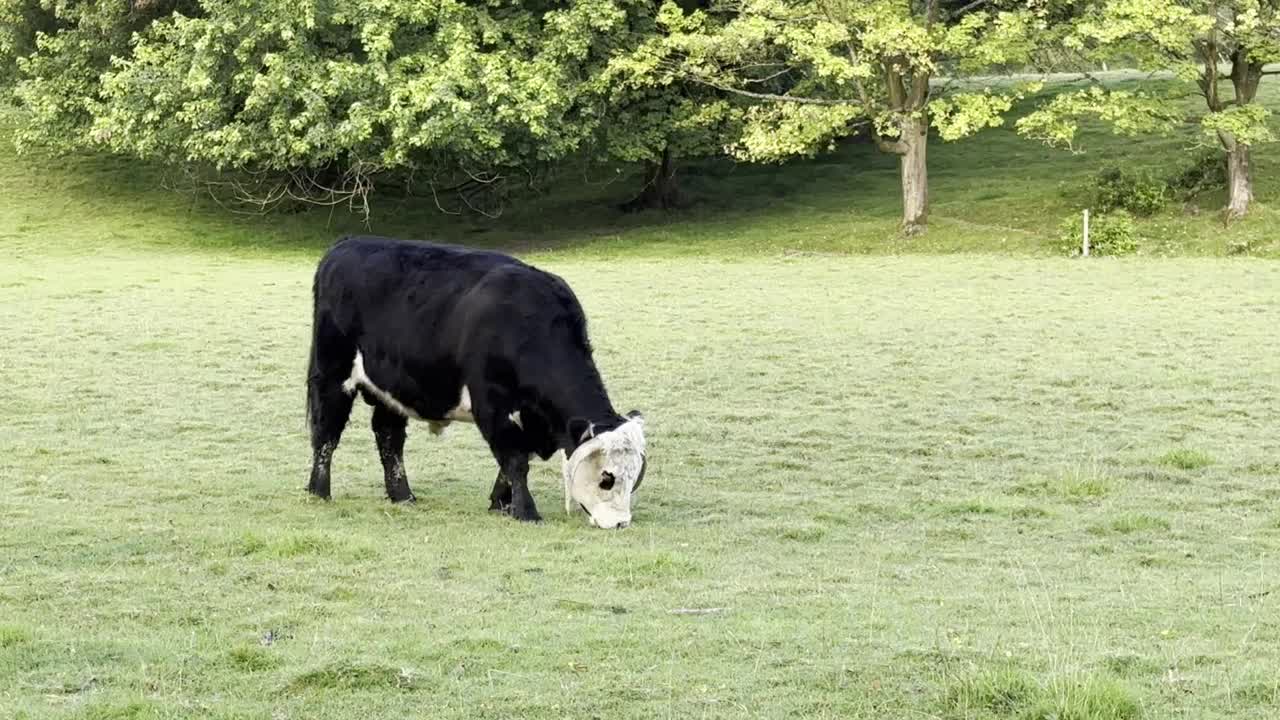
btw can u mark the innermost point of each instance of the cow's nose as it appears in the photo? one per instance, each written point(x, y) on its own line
point(621, 525)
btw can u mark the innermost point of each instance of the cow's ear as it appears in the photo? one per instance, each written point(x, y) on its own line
point(580, 430)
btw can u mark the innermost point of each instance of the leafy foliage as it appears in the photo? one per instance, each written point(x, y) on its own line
point(816, 71)
point(20, 22)
point(269, 87)
point(1204, 171)
point(456, 94)
point(778, 132)
point(1246, 124)
point(651, 113)
point(1128, 112)
point(844, 60)
point(1189, 39)
point(59, 51)
point(964, 114)
point(1139, 192)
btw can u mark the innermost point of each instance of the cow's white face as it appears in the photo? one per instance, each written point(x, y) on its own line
point(601, 475)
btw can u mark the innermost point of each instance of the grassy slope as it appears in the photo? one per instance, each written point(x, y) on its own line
point(996, 193)
point(982, 487)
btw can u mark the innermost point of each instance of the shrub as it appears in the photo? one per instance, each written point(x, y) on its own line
point(1111, 234)
point(1139, 192)
point(1206, 171)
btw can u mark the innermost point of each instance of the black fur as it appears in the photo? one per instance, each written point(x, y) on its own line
point(429, 319)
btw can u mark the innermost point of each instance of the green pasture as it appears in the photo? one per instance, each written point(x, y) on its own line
point(884, 482)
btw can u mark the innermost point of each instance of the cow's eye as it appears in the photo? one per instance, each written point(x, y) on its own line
point(606, 480)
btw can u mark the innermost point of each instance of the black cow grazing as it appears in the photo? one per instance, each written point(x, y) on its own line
point(443, 333)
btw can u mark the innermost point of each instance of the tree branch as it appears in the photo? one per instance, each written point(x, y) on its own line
point(766, 78)
point(894, 85)
point(931, 14)
point(773, 96)
point(891, 147)
point(971, 6)
point(919, 89)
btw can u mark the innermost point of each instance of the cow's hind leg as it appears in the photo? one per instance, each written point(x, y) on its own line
point(328, 401)
point(500, 497)
point(330, 409)
point(389, 430)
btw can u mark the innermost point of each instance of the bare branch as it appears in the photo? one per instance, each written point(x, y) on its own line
point(971, 6)
point(891, 147)
point(766, 78)
point(772, 96)
point(476, 184)
point(436, 198)
point(752, 66)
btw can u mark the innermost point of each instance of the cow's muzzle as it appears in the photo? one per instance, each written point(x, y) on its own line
point(620, 524)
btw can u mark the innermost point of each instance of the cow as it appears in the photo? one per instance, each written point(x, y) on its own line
point(443, 334)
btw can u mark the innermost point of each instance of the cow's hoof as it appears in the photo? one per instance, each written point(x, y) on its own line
point(410, 498)
point(529, 516)
point(318, 495)
point(497, 507)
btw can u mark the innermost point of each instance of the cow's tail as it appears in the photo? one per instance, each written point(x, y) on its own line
point(311, 393)
point(313, 369)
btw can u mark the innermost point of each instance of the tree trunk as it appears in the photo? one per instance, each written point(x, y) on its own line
point(660, 190)
point(1245, 76)
point(1239, 181)
point(915, 176)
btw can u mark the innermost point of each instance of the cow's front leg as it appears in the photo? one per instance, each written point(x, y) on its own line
point(506, 441)
point(389, 432)
point(500, 497)
point(516, 469)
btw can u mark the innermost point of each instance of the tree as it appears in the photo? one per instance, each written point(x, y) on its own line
point(328, 94)
point(659, 128)
point(1189, 40)
point(54, 53)
point(20, 22)
point(818, 68)
point(659, 121)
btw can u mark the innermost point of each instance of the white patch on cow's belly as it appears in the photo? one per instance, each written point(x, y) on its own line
point(463, 411)
point(460, 413)
point(359, 379)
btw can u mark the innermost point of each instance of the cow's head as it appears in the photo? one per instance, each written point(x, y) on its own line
point(601, 475)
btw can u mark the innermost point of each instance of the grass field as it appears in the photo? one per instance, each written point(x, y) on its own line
point(992, 485)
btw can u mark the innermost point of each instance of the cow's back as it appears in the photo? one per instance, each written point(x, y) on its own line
point(423, 315)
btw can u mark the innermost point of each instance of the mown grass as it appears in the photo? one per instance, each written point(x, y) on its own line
point(890, 486)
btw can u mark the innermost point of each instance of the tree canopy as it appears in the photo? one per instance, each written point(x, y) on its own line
point(1189, 41)
point(816, 69)
point(364, 86)
point(462, 93)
